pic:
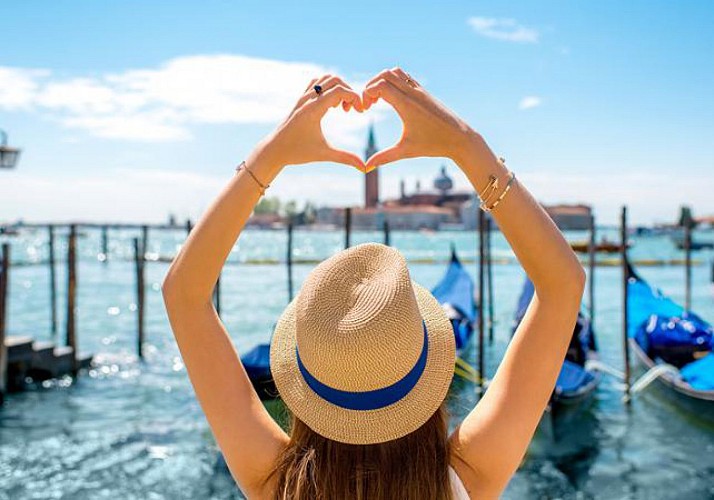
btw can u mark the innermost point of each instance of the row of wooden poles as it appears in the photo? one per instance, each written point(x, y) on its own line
point(485, 276)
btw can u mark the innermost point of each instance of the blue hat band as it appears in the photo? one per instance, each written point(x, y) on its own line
point(368, 400)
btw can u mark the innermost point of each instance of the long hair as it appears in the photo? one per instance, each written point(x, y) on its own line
point(414, 467)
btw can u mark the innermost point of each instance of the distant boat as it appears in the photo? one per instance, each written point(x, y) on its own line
point(693, 245)
point(662, 333)
point(456, 294)
point(604, 246)
point(578, 378)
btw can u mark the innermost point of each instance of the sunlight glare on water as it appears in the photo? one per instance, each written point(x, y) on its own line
point(131, 429)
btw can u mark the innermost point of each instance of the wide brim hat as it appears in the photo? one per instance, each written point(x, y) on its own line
point(363, 354)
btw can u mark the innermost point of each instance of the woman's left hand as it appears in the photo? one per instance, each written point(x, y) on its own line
point(299, 139)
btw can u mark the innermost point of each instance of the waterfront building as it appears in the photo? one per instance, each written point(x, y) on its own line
point(568, 217)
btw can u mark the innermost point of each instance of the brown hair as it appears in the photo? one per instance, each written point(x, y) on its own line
point(414, 467)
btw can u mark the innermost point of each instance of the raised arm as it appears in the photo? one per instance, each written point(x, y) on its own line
point(490, 443)
point(248, 437)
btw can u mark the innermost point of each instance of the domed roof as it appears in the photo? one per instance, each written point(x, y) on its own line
point(443, 182)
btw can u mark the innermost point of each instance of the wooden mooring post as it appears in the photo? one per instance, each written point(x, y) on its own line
point(105, 244)
point(687, 265)
point(489, 278)
point(139, 266)
point(625, 338)
point(71, 325)
point(481, 270)
point(53, 282)
point(348, 226)
point(591, 271)
point(289, 260)
point(144, 240)
point(4, 280)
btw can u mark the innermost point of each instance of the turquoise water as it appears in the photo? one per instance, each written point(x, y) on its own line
point(132, 429)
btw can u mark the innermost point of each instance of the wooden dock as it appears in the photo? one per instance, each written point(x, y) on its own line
point(24, 360)
point(29, 360)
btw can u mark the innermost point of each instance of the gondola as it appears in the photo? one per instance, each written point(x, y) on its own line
point(578, 377)
point(694, 246)
point(604, 246)
point(455, 292)
point(661, 332)
point(257, 366)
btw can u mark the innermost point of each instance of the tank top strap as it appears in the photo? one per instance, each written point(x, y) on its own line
point(458, 490)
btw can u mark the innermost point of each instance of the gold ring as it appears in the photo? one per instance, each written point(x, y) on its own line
point(410, 82)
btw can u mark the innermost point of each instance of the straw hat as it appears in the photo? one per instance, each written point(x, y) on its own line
point(363, 355)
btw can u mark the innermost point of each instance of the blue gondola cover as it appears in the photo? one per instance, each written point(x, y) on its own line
point(456, 291)
point(700, 374)
point(572, 378)
point(257, 362)
point(657, 323)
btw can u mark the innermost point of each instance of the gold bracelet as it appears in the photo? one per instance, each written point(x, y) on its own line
point(492, 184)
point(491, 187)
point(503, 194)
point(243, 166)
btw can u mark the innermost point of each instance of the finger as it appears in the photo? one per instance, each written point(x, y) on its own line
point(310, 92)
point(386, 90)
point(400, 72)
point(399, 79)
point(388, 155)
point(334, 82)
point(310, 85)
point(377, 77)
point(344, 157)
point(338, 94)
point(306, 94)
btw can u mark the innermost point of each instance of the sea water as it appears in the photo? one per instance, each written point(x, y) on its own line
point(133, 429)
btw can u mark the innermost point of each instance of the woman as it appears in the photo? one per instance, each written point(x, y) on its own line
point(363, 357)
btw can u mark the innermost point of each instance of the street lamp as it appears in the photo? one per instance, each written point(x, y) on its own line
point(8, 155)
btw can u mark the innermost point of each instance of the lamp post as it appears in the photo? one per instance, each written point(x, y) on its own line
point(8, 155)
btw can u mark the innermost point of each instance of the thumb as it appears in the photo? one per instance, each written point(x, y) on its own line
point(384, 156)
point(344, 157)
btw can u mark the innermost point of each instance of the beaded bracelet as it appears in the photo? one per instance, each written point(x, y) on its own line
point(243, 166)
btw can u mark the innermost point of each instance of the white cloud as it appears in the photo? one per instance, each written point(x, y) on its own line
point(529, 102)
point(18, 87)
point(162, 103)
point(503, 29)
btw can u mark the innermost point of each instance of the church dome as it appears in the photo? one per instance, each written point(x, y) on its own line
point(443, 182)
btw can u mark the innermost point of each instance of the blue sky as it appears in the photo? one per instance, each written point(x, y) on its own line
point(130, 110)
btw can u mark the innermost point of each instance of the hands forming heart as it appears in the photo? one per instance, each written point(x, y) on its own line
point(429, 128)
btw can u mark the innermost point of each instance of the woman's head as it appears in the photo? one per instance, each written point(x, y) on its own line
point(363, 358)
point(363, 355)
point(411, 467)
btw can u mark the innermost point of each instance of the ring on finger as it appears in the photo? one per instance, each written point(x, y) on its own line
point(410, 81)
point(317, 88)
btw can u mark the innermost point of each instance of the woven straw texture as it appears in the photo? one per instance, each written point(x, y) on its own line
point(357, 323)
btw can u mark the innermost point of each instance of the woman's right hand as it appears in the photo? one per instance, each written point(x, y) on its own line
point(430, 129)
point(299, 139)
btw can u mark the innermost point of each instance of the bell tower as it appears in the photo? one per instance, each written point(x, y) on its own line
point(371, 180)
